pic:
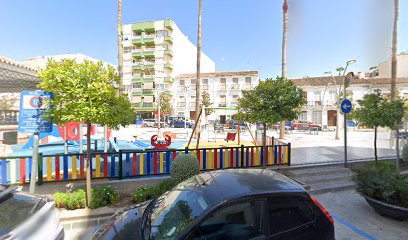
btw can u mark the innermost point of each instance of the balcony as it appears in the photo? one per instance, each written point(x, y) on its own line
point(205, 87)
point(136, 92)
point(314, 103)
point(148, 54)
point(222, 104)
point(137, 41)
point(168, 39)
point(168, 80)
point(168, 93)
point(148, 91)
point(137, 67)
point(168, 53)
point(137, 79)
point(168, 24)
point(168, 66)
point(137, 54)
point(148, 36)
point(247, 87)
point(181, 104)
point(149, 49)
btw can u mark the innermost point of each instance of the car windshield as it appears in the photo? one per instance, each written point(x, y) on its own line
point(175, 210)
point(15, 209)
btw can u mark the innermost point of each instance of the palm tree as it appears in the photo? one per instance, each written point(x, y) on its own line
point(340, 70)
point(197, 103)
point(120, 50)
point(394, 71)
point(285, 36)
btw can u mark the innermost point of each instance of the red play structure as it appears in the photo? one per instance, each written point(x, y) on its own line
point(160, 144)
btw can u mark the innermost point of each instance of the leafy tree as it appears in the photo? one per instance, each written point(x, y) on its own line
point(206, 102)
point(270, 102)
point(375, 110)
point(6, 103)
point(165, 104)
point(340, 70)
point(84, 92)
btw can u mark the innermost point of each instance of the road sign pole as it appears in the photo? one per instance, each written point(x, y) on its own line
point(34, 162)
point(345, 141)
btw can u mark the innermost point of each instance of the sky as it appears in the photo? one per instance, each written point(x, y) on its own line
point(237, 35)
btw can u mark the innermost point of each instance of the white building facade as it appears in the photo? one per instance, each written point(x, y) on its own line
point(384, 69)
point(224, 89)
point(322, 92)
point(155, 52)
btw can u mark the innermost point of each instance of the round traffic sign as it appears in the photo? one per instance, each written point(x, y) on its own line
point(346, 106)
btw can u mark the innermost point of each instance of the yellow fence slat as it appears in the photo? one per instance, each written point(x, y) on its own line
point(141, 163)
point(162, 162)
point(74, 167)
point(210, 159)
point(97, 165)
point(49, 168)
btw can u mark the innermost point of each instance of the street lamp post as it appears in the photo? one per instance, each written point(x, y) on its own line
point(338, 92)
point(346, 81)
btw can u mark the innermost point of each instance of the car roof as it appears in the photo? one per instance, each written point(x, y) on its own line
point(232, 183)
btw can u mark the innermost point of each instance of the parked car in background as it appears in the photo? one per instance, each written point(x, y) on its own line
point(27, 216)
point(152, 123)
point(232, 124)
point(179, 123)
point(226, 204)
point(304, 125)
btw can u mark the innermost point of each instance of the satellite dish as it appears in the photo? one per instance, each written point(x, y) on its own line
point(348, 78)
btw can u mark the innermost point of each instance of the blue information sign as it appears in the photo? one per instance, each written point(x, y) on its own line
point(346, 106)
point(34, 104)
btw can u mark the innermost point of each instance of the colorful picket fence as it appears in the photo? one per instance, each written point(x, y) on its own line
point(122, 164)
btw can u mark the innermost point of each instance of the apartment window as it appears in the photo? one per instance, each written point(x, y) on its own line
point(205, 81)
point(247, 80)
point(127, 50)
point(223, 80)
point(148, 99)
point(162, 33)
point(193, 81)
point(182, 82)
point(148, 85)
point(235, 80)
point(317, 117)
point(303, 116)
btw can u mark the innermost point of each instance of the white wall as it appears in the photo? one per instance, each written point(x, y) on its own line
point(402, 67)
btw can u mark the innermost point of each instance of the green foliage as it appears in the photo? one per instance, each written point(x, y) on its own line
point(383, 183)
point(375, 110)
point(85, 92)
point(70, 201)
point(165, 104)
point(183, 167)
point(405, 153)
point(103, 196)
point(146, 193)
point(340, 70)
point(206, 102)
point(271, 101)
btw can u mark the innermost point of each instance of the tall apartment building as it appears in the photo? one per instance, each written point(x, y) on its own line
point(224, 89)
point(155, 52)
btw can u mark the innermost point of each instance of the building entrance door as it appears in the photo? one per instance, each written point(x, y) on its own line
point(332, 117)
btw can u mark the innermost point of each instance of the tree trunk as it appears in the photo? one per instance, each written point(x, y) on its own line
point(120, 50)
point(375, 145)
point(197, 104)
point(88, 163)
point(284, 38)
point(394, 71)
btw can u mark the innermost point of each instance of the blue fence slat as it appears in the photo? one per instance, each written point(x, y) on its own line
point(204, 159)
point(275, 155)
point(148, 162)
point(168, 161)
point(3, 171)
point(65, 167)
point(262, 156)
point(128, 167)
point(113, 162)
point(221, 158)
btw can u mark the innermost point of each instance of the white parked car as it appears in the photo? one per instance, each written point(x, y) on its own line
point(28, 216)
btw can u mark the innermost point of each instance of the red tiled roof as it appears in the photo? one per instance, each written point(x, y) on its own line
point(16, 63)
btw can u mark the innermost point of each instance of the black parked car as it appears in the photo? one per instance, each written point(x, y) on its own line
point(226, 204)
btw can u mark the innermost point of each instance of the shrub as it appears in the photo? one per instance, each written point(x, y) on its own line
point(103, 196)
point(146, 193)
point(183, 167)
point(383, 183)
point(60, 199)
point(405, 153)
